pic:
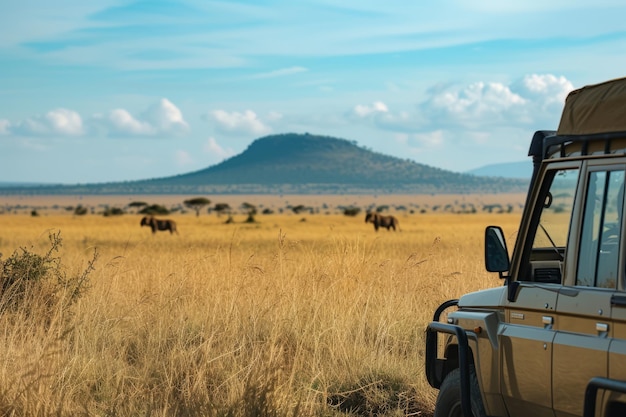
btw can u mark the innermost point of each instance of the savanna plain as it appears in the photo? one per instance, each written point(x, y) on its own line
point(307, 314)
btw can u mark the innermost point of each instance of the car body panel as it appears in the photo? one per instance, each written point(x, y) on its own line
point(560, 320)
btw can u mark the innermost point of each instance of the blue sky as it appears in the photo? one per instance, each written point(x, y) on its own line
point(98, 91)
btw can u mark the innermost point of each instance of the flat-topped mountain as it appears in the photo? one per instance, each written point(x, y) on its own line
point(302, 164)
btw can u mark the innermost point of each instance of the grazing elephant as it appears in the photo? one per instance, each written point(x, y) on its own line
point(158, 224)
point(390, 222)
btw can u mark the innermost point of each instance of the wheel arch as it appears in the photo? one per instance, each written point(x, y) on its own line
point(452, 358)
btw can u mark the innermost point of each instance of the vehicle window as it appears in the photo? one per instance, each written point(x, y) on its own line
point(556, 213)
point(602, 222)
point(549, 230)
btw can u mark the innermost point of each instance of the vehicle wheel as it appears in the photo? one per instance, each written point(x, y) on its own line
point(449, 398)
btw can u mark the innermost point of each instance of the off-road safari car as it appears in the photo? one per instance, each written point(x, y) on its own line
point(552, 340)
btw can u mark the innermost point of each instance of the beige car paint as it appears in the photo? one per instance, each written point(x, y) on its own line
point(535, 354)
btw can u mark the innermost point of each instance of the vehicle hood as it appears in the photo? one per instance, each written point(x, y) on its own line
point(491, 297)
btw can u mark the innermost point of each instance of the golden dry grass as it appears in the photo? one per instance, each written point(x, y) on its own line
point(282, 317)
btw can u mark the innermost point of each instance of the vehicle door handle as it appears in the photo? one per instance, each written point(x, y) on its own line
point(547, 321)
point(618, 300)
point(602, 327)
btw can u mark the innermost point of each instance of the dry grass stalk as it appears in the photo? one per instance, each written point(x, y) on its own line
point(276, 318)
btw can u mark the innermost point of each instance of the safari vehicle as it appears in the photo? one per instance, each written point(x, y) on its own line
point(552, 340)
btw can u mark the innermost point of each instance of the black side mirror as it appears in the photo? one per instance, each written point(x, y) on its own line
point(496, 253)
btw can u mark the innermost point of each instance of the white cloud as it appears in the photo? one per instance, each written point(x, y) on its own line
point(160, 119)
point(212, 147)
point(121, 122)
point(5, 126)
point(65, 121)
point(239, 123)
point(166, 117)
point(379, 115)
point(55, 122)
point(546, 93)
point(478, 104)
point(533, 102)
point(544, 86)
point(362, 110)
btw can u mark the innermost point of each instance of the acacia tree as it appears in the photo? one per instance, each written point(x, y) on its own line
point(251, 209)
point(222, 207)
point(197, 204)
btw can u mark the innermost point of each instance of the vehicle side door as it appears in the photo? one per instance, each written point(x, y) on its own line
point(527, 337)
point(583, 312)
point(615, 403)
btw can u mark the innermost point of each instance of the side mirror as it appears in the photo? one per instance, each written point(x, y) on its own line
point(496, 253)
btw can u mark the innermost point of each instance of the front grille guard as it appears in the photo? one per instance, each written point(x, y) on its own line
point(435, 366)
point(591, 392)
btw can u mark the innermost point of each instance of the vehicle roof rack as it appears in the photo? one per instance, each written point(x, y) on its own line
point(547, 142)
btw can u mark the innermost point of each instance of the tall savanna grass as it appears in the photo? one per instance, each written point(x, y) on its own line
point(295, 315)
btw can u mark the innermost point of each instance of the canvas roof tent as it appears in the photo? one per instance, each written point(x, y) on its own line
point(598, 108)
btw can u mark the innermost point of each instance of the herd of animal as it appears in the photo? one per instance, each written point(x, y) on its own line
point(378, 220)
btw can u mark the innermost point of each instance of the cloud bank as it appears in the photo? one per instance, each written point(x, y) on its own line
point(238, 123)
point(533, 101)
point(160, 119)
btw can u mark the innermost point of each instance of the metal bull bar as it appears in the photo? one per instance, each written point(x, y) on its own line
point(434, 366)
point(591, 392)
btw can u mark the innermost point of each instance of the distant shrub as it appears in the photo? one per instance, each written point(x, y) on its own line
point(112, 211)
point(154, 209)
point(34, 213)
point(80, 210)
point(492, 208)
point(351, 211)
point(268, 211)
point(298, 209)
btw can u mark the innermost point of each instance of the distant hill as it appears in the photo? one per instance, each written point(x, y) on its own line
point(19, 184)
point(522, 169)
point(301, 164)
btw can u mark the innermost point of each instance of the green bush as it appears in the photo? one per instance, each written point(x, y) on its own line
point(351, 211)
point(112, 211)
point(154, 209)
point(298, 209)
point(80, 210)
point(28, 278)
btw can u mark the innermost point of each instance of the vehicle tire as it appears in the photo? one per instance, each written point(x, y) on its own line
point(449, 398)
